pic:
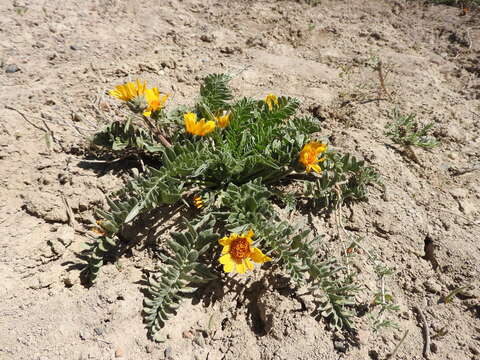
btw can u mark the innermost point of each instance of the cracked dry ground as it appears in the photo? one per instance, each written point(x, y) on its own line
point(59, 57)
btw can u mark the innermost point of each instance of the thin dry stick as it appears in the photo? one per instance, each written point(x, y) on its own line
point(394, 352)
point(471, 222)
point(465, 170)
point(381, 77)
point(162, 138)
point(71, 217)
point(25, 118)
point(45, 129)
point(426, 333)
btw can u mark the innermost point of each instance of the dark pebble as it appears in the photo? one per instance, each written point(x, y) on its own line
point(339, 346)
point(12, 68)
point(207, 38)
point(168, 352)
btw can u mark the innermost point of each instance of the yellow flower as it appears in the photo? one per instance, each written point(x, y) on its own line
point(270, 100)
point(224, 120)
point(195, 127)
point(309, 156)
point(154, 101)
point(237, 253)
point(198, 202)
point(129, 90)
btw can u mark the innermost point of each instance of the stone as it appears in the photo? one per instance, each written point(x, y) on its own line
point(199, 340)
point(99, 331)
point(72, 277)
point(119, 352)
point(467, 207)
point(168, 352)
point(65, 235)
point(45, 279)
point(432, 286)
point(75, 47)
point(187, 334)
point(149, 348)
point(459, 193)
point(339, 346)
point(12, 68)
point(207, 38)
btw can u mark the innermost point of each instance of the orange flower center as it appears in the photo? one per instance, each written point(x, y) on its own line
point(240, 248)
point(310, 158)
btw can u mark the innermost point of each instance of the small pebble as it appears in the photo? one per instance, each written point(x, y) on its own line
point(149, 348)
point(77, 117)
point(82, 335)
point(199, 340)
point(434, 348)
point(432, 286)
point(168, 352)
point(339, 346)
point(187, 334)
point(12, 68)
point(119, 353)
point(207, 38)
point(98, 331)
point(75, 47)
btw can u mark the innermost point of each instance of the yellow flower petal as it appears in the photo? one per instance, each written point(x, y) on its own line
point(225, 259)
point(229, 267)
point(270, 100)
point(241, 268)
point(205, 127)
point(315, 168)
point(227, 240)
point(154, 101)
point(258, 256)
point(129, 90)
point(194, 127)
point(308, 156)
point(249, 264)
point(223, 121)
point(226, 249)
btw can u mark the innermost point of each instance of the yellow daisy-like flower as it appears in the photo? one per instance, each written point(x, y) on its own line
point(129, 90)
point(224, 120)
point(238, 251)
point(309, 156)
point(270, 100)
point(200, 128)
point(155, 101)
point(198, 202)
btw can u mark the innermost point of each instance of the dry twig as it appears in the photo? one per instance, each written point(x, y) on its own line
point(394, 352)
point(381, 77)
point(46, 129)
point(426, 332)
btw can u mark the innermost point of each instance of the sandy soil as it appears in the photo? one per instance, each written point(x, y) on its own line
point(68, 53)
